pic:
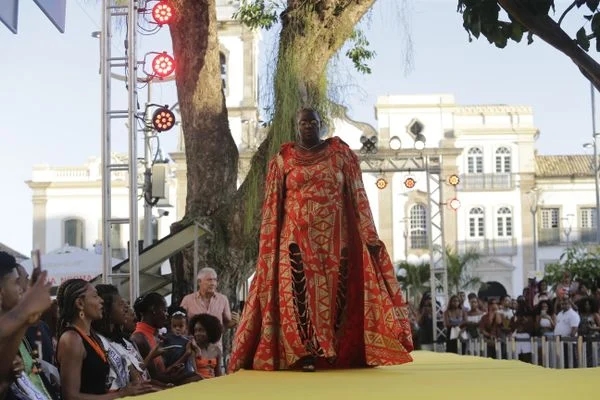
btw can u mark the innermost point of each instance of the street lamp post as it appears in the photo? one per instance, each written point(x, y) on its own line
point(595, 163)
point(568, 228)
point(533, 207)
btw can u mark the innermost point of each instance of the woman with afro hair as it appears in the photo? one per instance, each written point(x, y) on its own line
point(206, 330)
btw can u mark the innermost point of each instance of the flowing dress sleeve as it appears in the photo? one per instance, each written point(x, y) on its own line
point(258, 324)
point(379, 273)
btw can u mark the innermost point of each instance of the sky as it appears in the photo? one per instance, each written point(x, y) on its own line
point(50, 86)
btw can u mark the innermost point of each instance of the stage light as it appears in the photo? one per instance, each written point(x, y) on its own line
point(368, 144)
point(420, 142)
point(163, 65)
point(454, 204)
point(381, 183)
point(162, 13)
point(395, 143)
point(163, 119)
point(410, 182)
point(453, 180)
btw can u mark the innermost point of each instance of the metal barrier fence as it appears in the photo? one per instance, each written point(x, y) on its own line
point(549, 352)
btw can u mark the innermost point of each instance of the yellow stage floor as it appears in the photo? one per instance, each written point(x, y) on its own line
point(435, 376)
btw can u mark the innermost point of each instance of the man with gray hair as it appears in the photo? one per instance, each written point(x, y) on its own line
point(208, 301)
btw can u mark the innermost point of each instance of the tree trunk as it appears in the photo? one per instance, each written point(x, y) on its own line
point(211, 153)
point(551, 32)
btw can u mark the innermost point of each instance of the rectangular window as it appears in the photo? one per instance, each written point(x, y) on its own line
point(588, 218)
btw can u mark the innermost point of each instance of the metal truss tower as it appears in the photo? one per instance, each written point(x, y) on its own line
point(428, 161)
point(108, 63)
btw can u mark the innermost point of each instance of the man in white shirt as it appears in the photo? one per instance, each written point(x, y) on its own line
point(567, 323)
point(567, 320)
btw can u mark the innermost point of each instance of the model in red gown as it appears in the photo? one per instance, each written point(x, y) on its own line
point(324, 288)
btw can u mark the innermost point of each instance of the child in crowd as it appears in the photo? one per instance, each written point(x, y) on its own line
point(176, 342)
point(207, 331)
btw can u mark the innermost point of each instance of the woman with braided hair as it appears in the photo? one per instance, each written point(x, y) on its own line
point(80, 355)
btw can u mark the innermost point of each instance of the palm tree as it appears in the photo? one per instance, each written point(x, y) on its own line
point(416, 282)
point(459, 269)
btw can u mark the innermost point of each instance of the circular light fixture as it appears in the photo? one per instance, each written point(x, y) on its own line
point(419, 144)
point(162, 13)
point(163, 119)
point(410, 182)
point(453, 180)
point(454, 204)
point(368, 144)
point(381, 183)
point(395, 143)
point(163, 65)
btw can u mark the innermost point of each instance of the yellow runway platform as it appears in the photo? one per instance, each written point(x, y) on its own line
point(437, 376)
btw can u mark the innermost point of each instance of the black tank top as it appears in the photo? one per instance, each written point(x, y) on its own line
point(94, 370)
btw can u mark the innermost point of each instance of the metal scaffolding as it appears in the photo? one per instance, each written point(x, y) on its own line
point(428, 161)
point(110, 13)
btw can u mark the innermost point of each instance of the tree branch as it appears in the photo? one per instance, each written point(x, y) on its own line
point(564, 14)
point(550, 32)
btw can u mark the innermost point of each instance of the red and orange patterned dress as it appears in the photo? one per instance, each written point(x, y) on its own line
point(318, 290)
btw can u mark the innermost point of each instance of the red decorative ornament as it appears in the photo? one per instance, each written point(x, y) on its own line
point(410, 182)
point(381, 183)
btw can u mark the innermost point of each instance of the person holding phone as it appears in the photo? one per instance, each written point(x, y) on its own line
point(17, 312)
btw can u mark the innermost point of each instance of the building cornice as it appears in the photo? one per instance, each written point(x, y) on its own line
point(493, 109)
point(38, 185)
point(73, 185)
point(499, 130)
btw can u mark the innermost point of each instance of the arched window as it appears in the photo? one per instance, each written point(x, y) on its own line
point(223, 61)
point(475, 161)
point(476, 223)
point(418, 227)
point(504, 222)
point(503, 160)
point(73, 232)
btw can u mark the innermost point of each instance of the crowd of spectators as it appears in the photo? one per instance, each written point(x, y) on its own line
point(570, 310)
point(91, 343)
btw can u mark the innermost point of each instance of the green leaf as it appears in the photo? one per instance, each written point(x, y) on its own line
point(475, 25)
point(592, 4)
point(582, 39)
point(529, 37)
point(596, 24)
point(516, 32)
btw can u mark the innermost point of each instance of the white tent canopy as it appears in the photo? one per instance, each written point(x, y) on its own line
point(70, 262)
